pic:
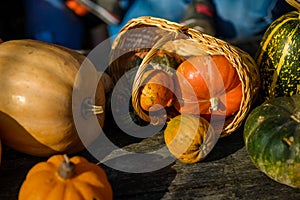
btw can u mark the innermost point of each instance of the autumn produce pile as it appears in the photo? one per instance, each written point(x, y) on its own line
point(199, 88)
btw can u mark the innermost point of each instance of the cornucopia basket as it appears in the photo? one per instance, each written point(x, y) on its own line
point(150, 35)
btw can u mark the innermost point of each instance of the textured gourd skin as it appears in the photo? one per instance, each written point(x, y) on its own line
point(189, 138)
point(278, 57)
point(36, 83)
point(88, 182)
point(157, 90)
point(272, 139)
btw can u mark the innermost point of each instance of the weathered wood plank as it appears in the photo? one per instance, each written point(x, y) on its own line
point(227, 173)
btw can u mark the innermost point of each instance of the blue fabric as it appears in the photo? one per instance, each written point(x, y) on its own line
point(235, 19)
point(51, 21)
point(172, 10)
point(242, 18)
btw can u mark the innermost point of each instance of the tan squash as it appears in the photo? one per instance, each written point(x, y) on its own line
point(36, 83)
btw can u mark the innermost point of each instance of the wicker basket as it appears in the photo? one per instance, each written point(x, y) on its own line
point(149, 34)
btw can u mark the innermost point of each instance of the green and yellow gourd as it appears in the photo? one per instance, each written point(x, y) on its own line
point(278, 55)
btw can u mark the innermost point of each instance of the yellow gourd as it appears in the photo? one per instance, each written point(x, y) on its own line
point(189, 138)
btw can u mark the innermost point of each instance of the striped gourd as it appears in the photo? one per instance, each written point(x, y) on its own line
point(278, 56)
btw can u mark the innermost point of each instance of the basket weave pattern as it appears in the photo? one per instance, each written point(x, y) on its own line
point(145, 32)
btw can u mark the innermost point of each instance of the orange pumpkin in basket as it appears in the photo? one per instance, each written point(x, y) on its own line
point(207, 84)
point(157, 91)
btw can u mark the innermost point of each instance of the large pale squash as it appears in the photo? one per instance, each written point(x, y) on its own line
point(36, 83)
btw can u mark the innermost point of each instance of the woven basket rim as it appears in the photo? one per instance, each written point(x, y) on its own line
point(240, 60)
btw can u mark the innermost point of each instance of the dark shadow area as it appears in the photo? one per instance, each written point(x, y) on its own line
point(118, 136)
point(13, 170)
point(12, 20)
point(249, 45)
point(227, 145)
point(151, 185)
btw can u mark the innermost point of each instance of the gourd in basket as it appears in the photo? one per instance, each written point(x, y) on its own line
point(216, 87)
point(36, 113)
point(154, 36)
point(157, 92)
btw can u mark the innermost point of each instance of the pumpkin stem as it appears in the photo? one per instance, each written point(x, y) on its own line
point(66, 169)
point(296, 116)
point(214, 101)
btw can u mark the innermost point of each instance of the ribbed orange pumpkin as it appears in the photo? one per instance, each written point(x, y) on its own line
point(36, 83)
point(203, 88)
point(61, 178)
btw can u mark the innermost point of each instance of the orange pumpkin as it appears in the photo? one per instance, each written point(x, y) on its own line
point(208, 83)
point(157, 90)
point(36, 112)
point(68, 179)
point(189, 138)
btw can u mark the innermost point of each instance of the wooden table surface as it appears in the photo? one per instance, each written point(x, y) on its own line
point(226, 173)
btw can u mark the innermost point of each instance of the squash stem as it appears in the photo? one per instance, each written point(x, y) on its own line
point(96, 109)
point(89, 107)
point(214, 103)
point(66, 169)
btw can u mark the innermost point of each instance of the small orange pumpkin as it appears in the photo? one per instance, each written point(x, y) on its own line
point(189, 138)
point(61, 178)
point(202, 88)
point(157, 90)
